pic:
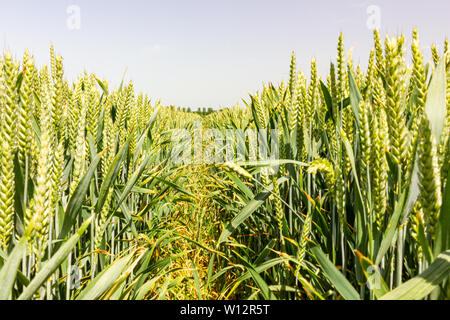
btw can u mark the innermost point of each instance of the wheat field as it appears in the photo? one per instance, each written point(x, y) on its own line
point(353, 203)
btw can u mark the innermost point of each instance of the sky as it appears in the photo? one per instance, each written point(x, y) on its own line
point(199, 53)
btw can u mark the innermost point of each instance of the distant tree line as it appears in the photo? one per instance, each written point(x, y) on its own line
point(201, 111)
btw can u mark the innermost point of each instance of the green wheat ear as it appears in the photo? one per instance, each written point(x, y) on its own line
point(278, 206)
point(108, 139)
point(429, 177)
point(306, 230)
point(8, 96)
point(380, 60)
point(339, 194)
point(79, 165)
point(41, 210)
point(418, 83)
point(365, 139)
point(101, 223)
point(444, 145)
point(379, 170)
point(128, 108)
point(293, 91)
point(326, 168)
point(312, 96)
point(59, 96)
point(301, 107)
point(435, 55)
point(93, 107)
point(133, 123)
point(52, 62)
point(141, 111)
point(419, 77)
point(416, 219)
point(260, 113)
point(394, 107)
point(341, 70)
point(24, 130)
point(371, 74)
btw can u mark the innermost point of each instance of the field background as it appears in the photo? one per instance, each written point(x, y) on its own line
point(355, 205)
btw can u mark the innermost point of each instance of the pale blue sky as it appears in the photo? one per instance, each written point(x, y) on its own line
point(207, 53)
